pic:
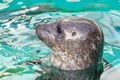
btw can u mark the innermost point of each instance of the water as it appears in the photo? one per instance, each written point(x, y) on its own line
point(19, 43)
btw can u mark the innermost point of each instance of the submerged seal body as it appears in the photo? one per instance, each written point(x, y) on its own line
point(77, 45)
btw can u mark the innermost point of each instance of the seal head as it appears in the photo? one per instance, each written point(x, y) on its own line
point(77, 43)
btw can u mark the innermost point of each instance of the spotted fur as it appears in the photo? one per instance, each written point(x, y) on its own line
point(77, 44)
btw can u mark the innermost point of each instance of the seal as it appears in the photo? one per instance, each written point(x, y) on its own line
point(77, 45)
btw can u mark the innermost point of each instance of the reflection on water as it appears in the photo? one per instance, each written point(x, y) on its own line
point(18, 42)
point(112, 74)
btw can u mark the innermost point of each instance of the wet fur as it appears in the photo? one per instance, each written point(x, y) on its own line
point(77, 45)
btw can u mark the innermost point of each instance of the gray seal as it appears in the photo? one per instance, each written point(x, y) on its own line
point(77, 45)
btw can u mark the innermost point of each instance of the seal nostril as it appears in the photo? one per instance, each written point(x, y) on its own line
point(73, 33)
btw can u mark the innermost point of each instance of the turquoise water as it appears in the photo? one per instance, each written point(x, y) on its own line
point(19, 43)
point(62, 5)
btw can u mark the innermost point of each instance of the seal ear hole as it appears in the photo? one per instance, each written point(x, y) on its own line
point(73, 33)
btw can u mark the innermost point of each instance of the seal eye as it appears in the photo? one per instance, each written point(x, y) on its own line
point(59, 29)
point(73, 33)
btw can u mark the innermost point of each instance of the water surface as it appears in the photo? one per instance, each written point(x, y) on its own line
point(19, 43)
